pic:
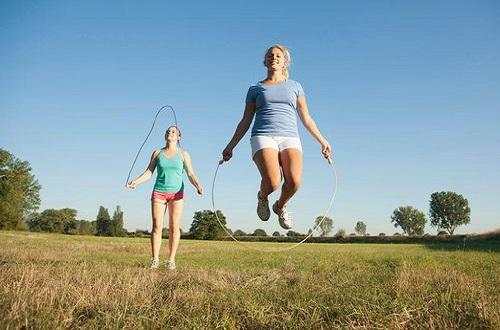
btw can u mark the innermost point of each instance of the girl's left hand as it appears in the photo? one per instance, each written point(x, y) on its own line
point(326, 150)
point(199, 190)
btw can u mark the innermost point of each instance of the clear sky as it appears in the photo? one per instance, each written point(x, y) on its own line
point(406, 92)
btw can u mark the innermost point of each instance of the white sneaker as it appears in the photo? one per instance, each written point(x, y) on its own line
point(284, 217)
point(263, 208)
point(154, 263)
point(170, 265)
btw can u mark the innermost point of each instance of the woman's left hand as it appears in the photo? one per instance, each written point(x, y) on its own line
point(199, 190)
point(326, 150)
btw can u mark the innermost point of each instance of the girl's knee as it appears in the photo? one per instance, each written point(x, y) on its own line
point(293, 184)
point(272, 184)
point(156, 228)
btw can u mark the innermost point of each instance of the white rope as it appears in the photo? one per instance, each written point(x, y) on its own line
point(288, 248)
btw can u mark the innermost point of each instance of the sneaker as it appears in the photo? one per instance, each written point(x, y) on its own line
point(154, 263)
point(284, 217)
point(170, 265)
point(263, 208)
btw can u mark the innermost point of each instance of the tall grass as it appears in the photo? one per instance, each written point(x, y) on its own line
point(55, 281)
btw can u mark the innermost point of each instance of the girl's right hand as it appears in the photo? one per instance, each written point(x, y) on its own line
point(227, 154)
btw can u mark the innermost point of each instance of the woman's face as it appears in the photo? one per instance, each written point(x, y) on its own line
point(172, 134)
point(275, 59)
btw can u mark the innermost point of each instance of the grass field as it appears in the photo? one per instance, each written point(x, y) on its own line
point(54, 281)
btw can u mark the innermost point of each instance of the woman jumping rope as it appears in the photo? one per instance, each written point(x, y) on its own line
point(168, 192)
point(275, 141)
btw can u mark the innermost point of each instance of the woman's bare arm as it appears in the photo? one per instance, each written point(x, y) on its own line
point(147, 173)
point(190, 172)
point(241, 129)
point(310, 125)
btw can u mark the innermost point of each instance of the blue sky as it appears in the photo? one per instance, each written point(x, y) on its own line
point(407, 94)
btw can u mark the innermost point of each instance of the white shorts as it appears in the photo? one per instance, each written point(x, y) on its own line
point(277, 143)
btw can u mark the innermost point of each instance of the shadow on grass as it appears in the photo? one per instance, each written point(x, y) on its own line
point(483, 243)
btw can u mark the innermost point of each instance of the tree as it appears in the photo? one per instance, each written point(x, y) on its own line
point(325, 227)
point(360, 228)
point(85, 227)
point(117, 223)
point(411, 220)
point(103, 223)
point(55, 221)
point(205, 225)
point(276, 234)
point(341, 233)
point(448, 210)
point(239, 232)
point(19, 191)
point(259, 232)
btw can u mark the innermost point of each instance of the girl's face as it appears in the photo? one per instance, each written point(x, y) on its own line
point(172, 134)
point(275, 59)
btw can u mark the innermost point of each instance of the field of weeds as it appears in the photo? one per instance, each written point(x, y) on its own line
point(52, 281)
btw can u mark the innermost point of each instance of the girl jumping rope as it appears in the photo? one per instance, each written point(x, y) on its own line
point(168, 192)
point(275, 141)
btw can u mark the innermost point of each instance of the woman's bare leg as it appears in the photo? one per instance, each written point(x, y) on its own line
point(158, 210)
point(267, 162)
point(174, 235)
point(292, 165)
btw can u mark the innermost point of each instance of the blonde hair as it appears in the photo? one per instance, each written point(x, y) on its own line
point(286, 54)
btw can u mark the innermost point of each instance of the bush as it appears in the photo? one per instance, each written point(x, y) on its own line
point(239, 232)
point(292, 233)
point(142, 233)
point(341, 233)
point(259, 232)
point(442, 233)
point(381, 234)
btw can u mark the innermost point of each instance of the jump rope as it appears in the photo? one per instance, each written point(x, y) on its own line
point(214, 209)
point(147, 137)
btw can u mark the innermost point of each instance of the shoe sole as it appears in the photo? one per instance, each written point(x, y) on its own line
point(269, 211)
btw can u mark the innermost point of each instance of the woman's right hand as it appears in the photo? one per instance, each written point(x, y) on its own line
point(131, 184)
point(227, 153)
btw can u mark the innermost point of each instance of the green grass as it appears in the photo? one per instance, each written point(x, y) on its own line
point(58, 281)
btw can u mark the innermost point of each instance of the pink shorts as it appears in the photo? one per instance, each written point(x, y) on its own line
point(167, 197)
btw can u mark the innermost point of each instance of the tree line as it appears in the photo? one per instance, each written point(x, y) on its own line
point(64, 221)
point(20, 200)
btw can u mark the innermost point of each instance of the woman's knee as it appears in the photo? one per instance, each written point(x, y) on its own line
point(157, 228)
point(174, 230)
point(293, 183)
point(272, 183)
